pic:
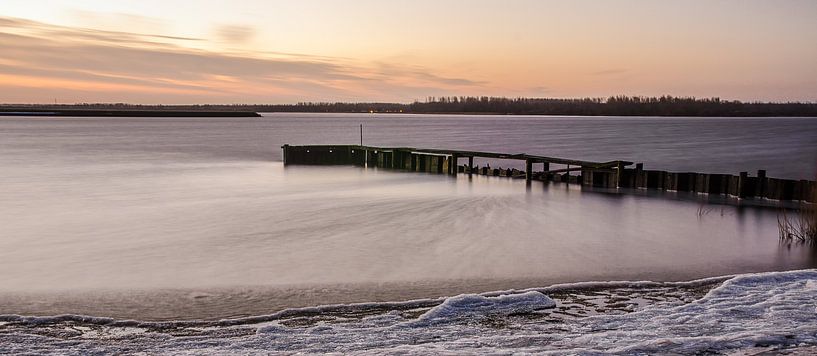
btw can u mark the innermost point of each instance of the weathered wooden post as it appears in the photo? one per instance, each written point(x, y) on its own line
point(528, 170)
point(545, 169)
point(761, 184)
point(587, 176)
point(470, 165)
point(801, 190)
point(654, 179)
point(285, 148)
point(453, 165)
point(671, 180)
point(742, 184)
point(733, 185)
point(701, 183)
point(787, 189)
point(619, 174)
point(640, 178)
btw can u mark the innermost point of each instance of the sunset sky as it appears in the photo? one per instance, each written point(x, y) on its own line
point(257, 51)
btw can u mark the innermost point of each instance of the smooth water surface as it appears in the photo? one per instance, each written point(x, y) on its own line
point(189, 218)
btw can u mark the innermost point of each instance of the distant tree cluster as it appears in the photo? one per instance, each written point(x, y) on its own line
point(612, 106)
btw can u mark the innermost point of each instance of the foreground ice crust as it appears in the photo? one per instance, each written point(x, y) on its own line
point(776, 310)
point(476, 306)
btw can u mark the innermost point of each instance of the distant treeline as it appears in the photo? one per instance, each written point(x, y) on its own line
point(612, 106)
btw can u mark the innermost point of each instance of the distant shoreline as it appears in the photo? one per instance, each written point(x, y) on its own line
point(237, 114)
point(126, 113)
point(464, 113)
point(664, 106)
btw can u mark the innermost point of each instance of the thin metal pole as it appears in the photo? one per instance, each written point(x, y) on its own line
point(365, 152)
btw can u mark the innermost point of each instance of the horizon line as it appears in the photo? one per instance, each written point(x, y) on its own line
point(604, 99)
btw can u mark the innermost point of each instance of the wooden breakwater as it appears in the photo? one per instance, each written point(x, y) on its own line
point(611, 174)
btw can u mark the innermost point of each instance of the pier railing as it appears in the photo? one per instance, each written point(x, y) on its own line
point(612, 174)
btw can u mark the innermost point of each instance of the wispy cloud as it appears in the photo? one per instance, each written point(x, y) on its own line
point(384, 70)
point(135, 66)
point(234, 33)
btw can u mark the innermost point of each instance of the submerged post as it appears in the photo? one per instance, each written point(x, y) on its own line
point(470, 165)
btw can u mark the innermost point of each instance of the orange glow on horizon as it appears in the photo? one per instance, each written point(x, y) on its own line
point(319, 50)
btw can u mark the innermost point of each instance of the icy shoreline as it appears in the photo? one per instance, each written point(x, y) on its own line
point(766, 311)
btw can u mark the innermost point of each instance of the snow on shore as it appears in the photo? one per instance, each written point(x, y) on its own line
point(768, 311)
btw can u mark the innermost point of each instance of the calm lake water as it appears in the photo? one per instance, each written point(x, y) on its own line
point(184, 218)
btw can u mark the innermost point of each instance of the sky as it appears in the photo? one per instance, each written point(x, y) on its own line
point(275, 51)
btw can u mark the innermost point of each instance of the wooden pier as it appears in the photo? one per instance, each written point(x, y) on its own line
point(612, 174)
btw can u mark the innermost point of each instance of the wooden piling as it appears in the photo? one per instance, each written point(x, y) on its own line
point(701, 182)
point(528, 170)
point(655, 179)
point(743, 185)
point(671, 181)
point(734, 186)
point(718, 184)
point(811, 192)
point(408, 161)
point(587, 177)
point(760, 185)
point(800, 187)
point(640, 177)
point(686, 182)
point(627, 178)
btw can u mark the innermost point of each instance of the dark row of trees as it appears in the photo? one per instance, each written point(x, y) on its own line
point(612, 106)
